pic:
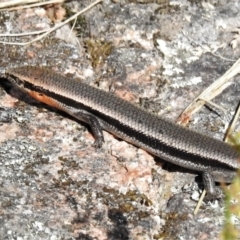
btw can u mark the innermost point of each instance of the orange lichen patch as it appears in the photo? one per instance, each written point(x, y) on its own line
point(55, 12)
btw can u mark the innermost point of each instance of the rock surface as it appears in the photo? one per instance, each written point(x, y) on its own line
point(157, 54)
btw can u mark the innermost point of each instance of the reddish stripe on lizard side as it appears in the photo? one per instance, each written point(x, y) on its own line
point(44, 98)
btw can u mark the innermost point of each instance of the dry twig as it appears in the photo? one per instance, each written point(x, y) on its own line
point(3, 7)
point(49, 30)
point(212, 91)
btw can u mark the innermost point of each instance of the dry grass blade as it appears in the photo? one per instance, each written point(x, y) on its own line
point(233, 124)
point(51, 29)
point(212, 91)
point(29, 4)
point(199, 202)
point(16, 2)
point(212, 104)
point(22, 34)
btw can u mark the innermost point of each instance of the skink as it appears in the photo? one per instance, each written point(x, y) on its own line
point(216, 160)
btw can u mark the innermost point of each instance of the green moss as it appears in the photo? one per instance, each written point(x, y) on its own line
point(98, 50)
point(127, 207)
